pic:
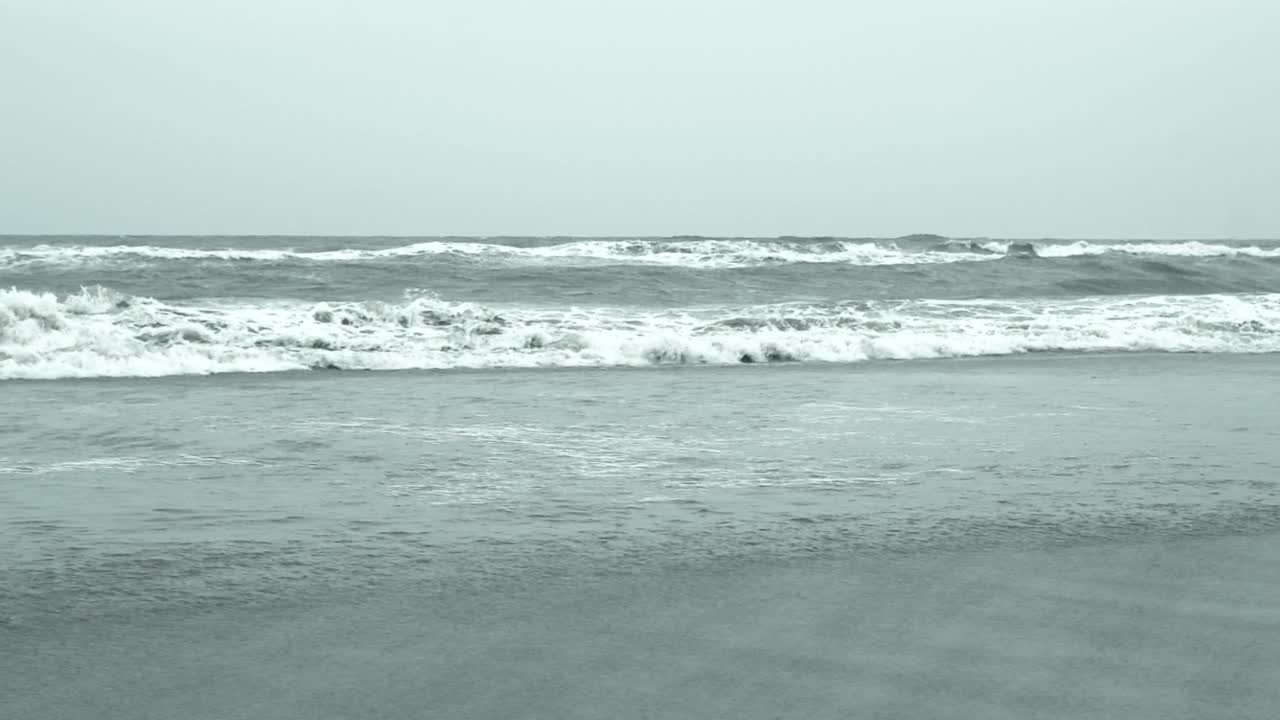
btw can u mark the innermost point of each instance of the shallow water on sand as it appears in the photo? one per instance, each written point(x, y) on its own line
point(1023, 537)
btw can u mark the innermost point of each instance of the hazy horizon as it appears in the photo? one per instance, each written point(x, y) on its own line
point(623, 236)
point(996, 118)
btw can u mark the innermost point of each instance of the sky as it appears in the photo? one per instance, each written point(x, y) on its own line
point(997, 118)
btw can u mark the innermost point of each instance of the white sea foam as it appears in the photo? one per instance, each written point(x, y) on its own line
point(124, 464)
point(707, 253)
point(97, 333)
point(694, 253)
point(1170, 249)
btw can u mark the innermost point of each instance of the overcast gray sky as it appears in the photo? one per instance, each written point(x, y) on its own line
point(1028, 118)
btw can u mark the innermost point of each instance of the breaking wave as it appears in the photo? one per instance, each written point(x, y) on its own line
point(1084, 248)
point(100, 333)
point(703, 253)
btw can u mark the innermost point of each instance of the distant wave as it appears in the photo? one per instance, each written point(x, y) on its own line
point(702, 253)
point(100, 333)
point(695, 254)
point(1079, 248)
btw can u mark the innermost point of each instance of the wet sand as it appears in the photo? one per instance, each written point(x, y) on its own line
point(1184, 629)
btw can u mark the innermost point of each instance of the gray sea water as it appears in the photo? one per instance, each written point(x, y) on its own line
point(689, 477)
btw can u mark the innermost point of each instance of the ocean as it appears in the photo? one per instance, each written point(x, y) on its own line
point(286, 477)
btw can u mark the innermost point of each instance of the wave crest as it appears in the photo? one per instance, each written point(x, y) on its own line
point(698, 253)
point(702, 253)
point(1188, 249)
point(99, 333)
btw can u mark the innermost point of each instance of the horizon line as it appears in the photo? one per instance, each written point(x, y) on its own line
point(678, 236)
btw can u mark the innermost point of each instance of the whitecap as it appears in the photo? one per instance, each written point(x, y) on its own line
point(98, 334)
